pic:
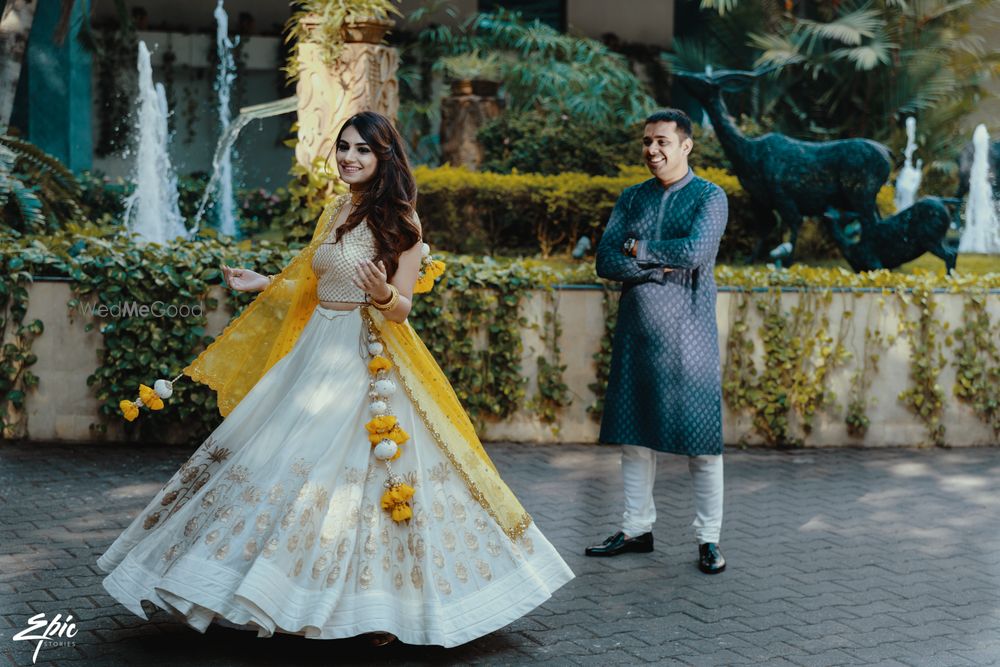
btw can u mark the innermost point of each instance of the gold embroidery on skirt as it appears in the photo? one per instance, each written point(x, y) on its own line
point(461, 573)
point(484, 570)
point(442, 585)
point(417, 577)
point(471, 541)
point(319, 566)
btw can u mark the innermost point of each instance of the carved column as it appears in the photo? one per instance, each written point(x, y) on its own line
point(461, 119)
point(362, 79)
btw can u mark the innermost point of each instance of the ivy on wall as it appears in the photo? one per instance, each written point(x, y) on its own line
point(16, 357)
point(977, 360)
point(473, 324)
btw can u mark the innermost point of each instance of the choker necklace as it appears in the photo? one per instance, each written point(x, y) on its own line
point(358, 196)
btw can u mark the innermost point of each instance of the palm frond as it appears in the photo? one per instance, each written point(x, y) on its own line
point(850, 28)
point(721, 6)
point(866, 57)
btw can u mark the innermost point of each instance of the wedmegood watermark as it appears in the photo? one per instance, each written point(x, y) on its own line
point(136, 309)
point(54, 628)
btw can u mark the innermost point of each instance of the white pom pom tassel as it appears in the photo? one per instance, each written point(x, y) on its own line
point(163, 388)
point(425, 250)
point(375, 348)
point(378, 407)
point(386, 449)
point(385, 387)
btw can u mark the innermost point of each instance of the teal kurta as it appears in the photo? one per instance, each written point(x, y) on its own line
point(665, 387)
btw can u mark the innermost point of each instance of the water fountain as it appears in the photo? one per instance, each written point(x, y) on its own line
point(908, 180)
point(225, 201)
point(152, 213)
point(226, 141)
point(981, 233)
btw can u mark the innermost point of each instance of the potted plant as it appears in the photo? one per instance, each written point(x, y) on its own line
point(333, 23)
point(472, 73)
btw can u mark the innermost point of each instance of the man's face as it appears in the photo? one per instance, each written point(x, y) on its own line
point(665, 151)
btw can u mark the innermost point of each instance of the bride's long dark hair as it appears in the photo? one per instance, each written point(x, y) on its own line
point(391, 196)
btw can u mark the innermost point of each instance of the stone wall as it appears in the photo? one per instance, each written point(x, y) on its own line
point(62, 407)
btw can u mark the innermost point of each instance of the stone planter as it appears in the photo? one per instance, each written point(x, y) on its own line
point(485, 88)
point(368, 31)
point(461, 88)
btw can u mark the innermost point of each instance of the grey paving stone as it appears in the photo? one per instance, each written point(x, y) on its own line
point(834, 559)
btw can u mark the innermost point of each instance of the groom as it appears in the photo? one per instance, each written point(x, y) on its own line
point(664, 392)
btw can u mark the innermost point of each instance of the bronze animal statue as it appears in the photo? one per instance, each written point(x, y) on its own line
point(897, 239)
point(791, 177)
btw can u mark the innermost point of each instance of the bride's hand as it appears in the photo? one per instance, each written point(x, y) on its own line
point(372, 278)
point(243, 280)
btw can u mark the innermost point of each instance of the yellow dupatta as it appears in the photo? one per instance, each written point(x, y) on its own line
point(267, 330)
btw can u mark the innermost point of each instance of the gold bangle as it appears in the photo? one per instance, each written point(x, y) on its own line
point(391, 303)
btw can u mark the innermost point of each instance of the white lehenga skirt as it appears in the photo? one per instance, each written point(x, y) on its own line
point(275, 522)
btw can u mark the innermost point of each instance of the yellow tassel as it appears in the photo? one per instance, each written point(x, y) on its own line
point(398, 435)
point(396, 501)
point(379, 363)
point(381, 424)
point(150, 398)
point(129, 410)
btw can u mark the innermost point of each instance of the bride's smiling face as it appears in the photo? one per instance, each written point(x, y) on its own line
point(356, 162)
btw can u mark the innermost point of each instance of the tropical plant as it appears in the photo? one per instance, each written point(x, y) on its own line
point(544, 69)
point(853, 68)
point(37, 192)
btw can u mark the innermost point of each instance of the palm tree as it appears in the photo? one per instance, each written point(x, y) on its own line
point(542, 68)
point(37, 191)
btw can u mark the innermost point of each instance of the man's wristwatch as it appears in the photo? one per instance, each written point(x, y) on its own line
point(629, 246)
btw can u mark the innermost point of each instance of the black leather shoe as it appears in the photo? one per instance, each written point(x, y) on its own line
point(710, 558)
point(619, 544)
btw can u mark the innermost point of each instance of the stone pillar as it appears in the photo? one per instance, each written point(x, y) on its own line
point(362, 79)
point(461, 118)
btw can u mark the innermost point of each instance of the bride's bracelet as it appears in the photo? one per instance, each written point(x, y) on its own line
point(388, 305)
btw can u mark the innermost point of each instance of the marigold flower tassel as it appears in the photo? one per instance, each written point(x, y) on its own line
point(430, 270)
point(151, 397)
point(384, 433)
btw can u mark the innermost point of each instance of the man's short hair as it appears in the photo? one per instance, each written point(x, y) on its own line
point(677, 116)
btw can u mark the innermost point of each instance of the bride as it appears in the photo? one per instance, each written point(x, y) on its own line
point(346, 492)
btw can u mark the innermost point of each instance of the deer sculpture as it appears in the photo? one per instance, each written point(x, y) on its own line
point(897, 239)
point(791, 177)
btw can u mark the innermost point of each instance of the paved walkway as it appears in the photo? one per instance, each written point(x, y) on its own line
point(835, 558)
